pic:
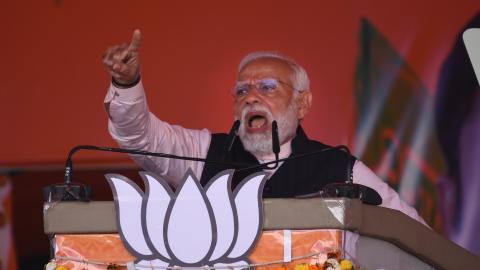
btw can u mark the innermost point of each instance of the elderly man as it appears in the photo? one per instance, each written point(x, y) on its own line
point(269, 87)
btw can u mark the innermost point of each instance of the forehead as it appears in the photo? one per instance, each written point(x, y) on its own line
point(266, 67)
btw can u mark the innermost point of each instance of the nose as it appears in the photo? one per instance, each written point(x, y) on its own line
point(253, 96)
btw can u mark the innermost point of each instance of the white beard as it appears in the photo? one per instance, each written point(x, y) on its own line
point(261, 143)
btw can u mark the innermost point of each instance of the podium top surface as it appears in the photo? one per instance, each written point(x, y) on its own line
point(305, 214)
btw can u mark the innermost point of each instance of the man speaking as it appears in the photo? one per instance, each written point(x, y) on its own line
point(269, 88)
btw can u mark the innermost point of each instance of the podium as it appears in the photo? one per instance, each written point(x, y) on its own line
point(376, 237)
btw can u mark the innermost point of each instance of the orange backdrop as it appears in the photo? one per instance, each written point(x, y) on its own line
point(53, 83)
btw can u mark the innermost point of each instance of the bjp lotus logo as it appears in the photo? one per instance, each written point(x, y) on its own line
point(193, 227)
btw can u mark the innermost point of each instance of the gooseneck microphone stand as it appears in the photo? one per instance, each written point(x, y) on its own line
point(70, 191)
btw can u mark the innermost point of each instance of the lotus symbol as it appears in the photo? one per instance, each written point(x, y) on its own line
point(193, 227)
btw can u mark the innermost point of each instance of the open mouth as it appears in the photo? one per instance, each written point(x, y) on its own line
point(256, 121)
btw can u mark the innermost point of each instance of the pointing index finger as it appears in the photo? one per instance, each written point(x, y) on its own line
point(135, 43)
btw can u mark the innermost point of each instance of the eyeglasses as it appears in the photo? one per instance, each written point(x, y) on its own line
point(266, 87)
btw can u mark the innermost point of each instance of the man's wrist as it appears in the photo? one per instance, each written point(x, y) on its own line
point(125, 86)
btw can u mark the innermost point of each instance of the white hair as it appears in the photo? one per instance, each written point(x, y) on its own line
point(300, 77)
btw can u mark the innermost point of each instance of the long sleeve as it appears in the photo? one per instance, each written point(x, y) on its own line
point(364, 176)
point(133, 126)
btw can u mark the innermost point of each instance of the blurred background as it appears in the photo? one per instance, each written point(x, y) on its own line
point(392, 80)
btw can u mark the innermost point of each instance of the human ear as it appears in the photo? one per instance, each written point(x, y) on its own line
point(304, 102)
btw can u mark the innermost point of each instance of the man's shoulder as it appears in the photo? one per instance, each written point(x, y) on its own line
point(304, 143)
point(317, 144)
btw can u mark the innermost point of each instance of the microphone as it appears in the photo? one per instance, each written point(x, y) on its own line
point(347, 189)
point(275, 145)
point(69, 191)
point(232, 135)
point(275, 140)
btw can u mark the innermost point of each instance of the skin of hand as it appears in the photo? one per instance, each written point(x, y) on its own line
point(122, 61)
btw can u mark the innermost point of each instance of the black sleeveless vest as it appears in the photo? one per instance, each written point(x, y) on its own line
point(294, 177)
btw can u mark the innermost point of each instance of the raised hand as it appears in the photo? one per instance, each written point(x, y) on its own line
point(122, 61)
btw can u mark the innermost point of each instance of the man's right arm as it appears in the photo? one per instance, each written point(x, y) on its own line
point(133, 126)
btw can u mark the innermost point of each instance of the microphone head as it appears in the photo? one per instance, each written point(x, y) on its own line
point(236, 125)
point(232, 134)
point(275, 140)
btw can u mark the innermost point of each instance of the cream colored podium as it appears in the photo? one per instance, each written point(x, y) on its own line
point(379, 238)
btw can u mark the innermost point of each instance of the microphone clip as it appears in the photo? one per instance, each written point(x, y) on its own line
point(353, 191)
point(67, 192)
